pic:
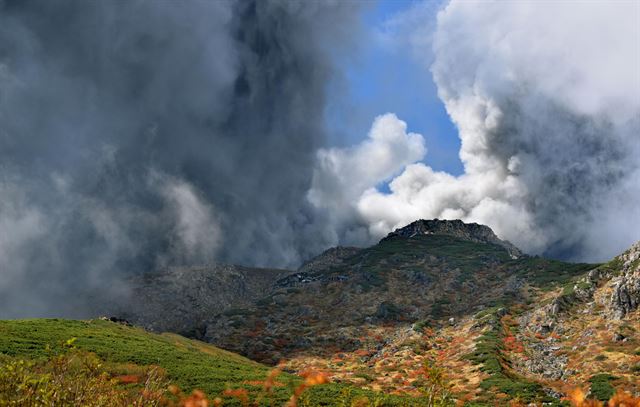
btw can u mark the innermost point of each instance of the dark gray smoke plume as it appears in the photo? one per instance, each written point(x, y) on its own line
point(139, 134)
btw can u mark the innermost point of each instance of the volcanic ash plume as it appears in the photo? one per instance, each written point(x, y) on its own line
point(140, 134)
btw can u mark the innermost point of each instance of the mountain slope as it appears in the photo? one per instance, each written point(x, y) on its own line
point(434, 294)
point(190, 364)
point(179, 299)
point(450, 294)
point(407, 277)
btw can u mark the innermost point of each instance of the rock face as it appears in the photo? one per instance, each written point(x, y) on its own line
point(179, 299)
point(472, 232)
point(626, 287)
point(582, 321)
point(545, 362)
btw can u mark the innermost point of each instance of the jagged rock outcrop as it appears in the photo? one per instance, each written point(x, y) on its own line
point(545, 361)
point(622, 276)
point(468, 231)
point(626, 287)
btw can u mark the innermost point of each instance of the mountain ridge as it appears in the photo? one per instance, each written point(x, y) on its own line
point(508, 323)
point(473, 232)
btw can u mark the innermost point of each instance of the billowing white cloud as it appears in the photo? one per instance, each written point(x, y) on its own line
point(346, 173)
point(341, 175)
point(546, 98)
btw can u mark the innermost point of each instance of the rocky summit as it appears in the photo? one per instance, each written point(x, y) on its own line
point(472, 232)
point(502, 324)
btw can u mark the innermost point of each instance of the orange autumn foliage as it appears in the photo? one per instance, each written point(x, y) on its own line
point(578, 398)
point(241, 394)
point(310, 379)
point(196, 399)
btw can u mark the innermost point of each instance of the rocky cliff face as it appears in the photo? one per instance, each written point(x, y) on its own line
point(589, 326)
point(625, 297)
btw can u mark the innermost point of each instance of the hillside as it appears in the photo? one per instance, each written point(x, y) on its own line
point(420, 273)
point(434, 305)
point(188, 363)
point(451, 294)
point(195, 293)
point(131, 355)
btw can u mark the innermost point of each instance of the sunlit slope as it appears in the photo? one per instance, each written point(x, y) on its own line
point(190, 364)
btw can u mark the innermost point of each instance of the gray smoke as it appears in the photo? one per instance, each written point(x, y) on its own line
point(139, 134)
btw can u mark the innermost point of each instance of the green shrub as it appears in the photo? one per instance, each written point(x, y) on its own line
point(421, 325)
point(601, 387)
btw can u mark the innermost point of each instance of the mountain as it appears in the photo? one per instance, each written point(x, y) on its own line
point(501, 322)
point(498, 325)
point(428, 270)
point(471, 232)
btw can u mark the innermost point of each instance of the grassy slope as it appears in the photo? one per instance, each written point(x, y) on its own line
point(190, 364)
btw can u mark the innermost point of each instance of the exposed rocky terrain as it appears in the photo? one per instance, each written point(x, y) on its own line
point(502, 324)
point(180, 299)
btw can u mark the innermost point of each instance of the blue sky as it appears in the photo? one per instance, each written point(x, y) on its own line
point(380, 79)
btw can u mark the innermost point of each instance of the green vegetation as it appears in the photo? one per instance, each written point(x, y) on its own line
point(76, 378)
point(570, 288)
point(548, 274)
point(344, 395)
point(601, 387)
point(488, 354)
point(401, 253)
point(189, 364)
point(420, 326)
point(438, 309)
point(28, 346)
point(467, 257)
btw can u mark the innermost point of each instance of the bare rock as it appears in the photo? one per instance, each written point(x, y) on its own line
point(626, 287)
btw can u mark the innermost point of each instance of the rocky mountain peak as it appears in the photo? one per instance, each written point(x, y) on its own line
point(473, 232)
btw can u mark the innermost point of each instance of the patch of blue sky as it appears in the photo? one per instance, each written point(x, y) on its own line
point(378, 79)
